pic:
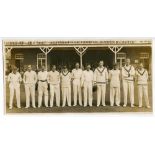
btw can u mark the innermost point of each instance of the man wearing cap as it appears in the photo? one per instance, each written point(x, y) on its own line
point(142, 78)
point(128, 74)
point(14, 79)
point(66, 86)
point(42, 87)
point(87, 83)
point(76, 76)
point(30, 79)
point(114, 77)
point(54, 81)
point(101, 79)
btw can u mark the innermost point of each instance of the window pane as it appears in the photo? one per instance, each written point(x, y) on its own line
point(144, 55)
point(41, 55)
point(39, 63)
point(43, 62)
point(19, 56)
point(121, 55)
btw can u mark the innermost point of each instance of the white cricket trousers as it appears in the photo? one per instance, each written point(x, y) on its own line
point(30, 91)
point(88, 94)
point(54, 91)
point(42, 90)
point(143, 90)
point(101, 90)
point(14, 88)
point(114, 95)
point(128, 86)
point(77, 92)
point(66, 95)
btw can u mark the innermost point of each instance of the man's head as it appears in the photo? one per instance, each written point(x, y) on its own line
point(115, 66)
point(54, 68)
point(101, 63)
point(65, 68)
point(77, 65)
point(88, 67)
point(29, 68)
point(42, 68)
point(128, 61)
point(14, 69)
point(141, 66)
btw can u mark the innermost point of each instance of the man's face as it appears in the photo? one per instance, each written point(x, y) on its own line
point(115, 67)
point(88, 67)
point(29, 68)
point(53, 68)
point(140, 66)
point(127, 62)
point(43, 68)
point(14, 71)
point(101, 63)
point(77, 65)
point(65, 69)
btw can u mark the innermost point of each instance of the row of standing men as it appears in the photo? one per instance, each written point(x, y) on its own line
point(86, 79)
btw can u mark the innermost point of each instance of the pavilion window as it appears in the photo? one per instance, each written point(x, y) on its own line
point(144, 58)
point(121, 57)
point(144, 55)
point(19, 58)
point(41, 60)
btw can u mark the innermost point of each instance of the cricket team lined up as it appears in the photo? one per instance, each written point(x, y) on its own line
point(83, 81)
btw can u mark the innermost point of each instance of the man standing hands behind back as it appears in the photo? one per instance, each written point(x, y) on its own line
point(42, 87)
point(30, 79)
point(101, 79)
point(76, 76)
point(53, 79)
point(128, 73)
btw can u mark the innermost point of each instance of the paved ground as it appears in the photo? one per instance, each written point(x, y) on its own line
point(79, 108)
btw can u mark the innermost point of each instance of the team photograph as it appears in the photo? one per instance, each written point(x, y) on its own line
point(50, 76)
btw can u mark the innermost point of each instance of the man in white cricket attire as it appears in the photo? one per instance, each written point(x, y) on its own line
point(114, 77)
point(54, 81)
point(87, 83)
point(42, 87)
point(101, 79)
point(128, 74)
point(65, 77)
point(76, 76)
point(142, 81)
point(14, 79)
point(30, 79)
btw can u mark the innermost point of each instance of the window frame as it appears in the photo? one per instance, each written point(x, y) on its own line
point(41, 59)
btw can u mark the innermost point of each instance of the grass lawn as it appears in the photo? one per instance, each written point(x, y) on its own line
point(79, 109)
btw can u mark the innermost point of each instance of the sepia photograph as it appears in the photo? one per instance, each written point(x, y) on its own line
point(77, 76)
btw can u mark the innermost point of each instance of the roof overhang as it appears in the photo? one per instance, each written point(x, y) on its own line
point(74, 43)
